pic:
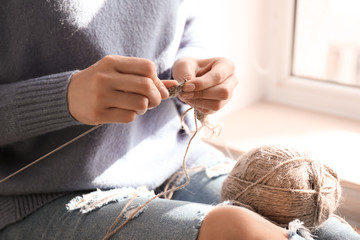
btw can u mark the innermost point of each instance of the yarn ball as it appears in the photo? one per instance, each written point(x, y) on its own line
point(283, 184)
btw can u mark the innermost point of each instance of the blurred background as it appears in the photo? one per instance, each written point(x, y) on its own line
point(298, 64)
point(327, 42)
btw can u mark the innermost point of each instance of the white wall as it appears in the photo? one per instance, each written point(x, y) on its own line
point(229, 24)
point(242, 33)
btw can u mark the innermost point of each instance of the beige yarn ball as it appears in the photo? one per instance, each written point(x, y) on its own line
point(283, 184)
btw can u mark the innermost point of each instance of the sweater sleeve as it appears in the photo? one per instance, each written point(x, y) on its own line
point(33, 107)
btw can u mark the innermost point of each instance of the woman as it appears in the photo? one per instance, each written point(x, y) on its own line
point(66, 66)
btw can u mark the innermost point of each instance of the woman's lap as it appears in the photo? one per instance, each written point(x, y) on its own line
point(162, 219)
point(178, 218)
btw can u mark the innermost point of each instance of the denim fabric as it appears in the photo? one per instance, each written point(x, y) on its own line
point(178, 218)
point(162, 219)
point(295, 237)
point(334, 229)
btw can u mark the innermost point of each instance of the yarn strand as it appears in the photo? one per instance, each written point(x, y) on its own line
point(50, 153)
point(283, 184)
point(173, 92)
point(139, 208)
point(167, 192)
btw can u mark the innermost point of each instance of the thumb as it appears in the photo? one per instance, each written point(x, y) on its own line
point(161, 87)
point(170, 83)
point(184, 69)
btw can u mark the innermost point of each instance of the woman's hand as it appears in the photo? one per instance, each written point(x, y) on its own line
point(209, 81)
point(115, 90)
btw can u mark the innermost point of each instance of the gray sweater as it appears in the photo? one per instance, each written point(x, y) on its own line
point(42, 43)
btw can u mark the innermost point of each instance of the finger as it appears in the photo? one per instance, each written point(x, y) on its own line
point(130, 65)
point(172, 87)
point(117, 115)
point(136, 66)
point(205, 111)
point(138, 85)
point(222, 91)
point(162, 89)
point(205, 104)
point(218, 71)
point(170, 83)
point(185, 69)
point(201, 109)
point(127, 101)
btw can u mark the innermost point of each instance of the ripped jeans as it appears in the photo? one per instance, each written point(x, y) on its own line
point(179, 218)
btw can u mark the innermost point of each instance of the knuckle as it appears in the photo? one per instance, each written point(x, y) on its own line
point(108, 59)
point(142, 104)
point(149, 68)
point(218, 76)
point(147, 84)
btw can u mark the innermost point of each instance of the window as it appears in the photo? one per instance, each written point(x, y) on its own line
point(327, 41)
point(317, 44)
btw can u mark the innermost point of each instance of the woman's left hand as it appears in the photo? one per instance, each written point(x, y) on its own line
point(209, 81)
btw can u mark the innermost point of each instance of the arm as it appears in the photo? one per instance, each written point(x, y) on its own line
point(115, 89)
point(34, 107)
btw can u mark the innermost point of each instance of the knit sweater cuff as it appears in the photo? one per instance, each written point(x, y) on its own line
point(42, 104)
point(14, 208)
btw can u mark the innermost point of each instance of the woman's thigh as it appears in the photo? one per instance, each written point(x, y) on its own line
point(179, 218)
point(161, 219)
point(201, 189)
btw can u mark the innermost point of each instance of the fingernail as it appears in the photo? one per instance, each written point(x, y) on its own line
point(188, 87)
point(163, 91)
point(187, 95)
point(141, 112)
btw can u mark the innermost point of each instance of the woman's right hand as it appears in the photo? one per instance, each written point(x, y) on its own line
point(115, 90)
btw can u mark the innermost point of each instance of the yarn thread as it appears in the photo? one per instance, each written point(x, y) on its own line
point(295, 187)
point(50, 153)
point(173, 92)
point(283, 184)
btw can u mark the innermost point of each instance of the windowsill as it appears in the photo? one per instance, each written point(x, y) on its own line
point(335, 141)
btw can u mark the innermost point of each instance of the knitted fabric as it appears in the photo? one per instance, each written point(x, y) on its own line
point(42, 44)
